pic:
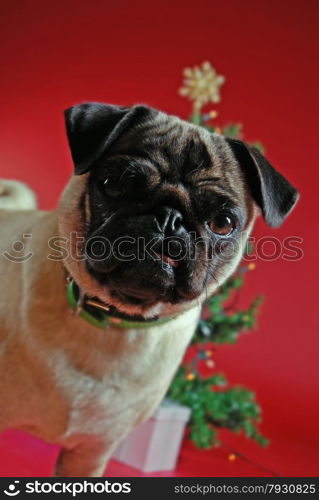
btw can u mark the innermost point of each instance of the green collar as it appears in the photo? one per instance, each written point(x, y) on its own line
point(103, 316)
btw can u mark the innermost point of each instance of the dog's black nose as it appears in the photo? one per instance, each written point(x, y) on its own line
point(170, 221)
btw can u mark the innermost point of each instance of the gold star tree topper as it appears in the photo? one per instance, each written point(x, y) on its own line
point(201, 85)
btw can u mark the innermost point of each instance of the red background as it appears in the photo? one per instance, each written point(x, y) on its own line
point(55, 54)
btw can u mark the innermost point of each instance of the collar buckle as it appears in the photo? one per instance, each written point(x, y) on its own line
point(103, 315)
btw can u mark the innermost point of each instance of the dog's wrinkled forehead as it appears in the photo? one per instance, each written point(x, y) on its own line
point(181, 152)
point(175, 142)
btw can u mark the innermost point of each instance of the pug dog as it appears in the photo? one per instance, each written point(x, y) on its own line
point(100, 298)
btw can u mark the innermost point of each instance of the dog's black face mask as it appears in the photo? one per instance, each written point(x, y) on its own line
point(167, 204)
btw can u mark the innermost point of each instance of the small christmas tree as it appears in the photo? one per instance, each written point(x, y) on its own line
point(213, 403)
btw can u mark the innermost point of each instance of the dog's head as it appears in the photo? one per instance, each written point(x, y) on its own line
point(164, 207)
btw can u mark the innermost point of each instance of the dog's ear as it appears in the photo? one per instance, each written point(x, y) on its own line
point(93, 127)
point(274, 195)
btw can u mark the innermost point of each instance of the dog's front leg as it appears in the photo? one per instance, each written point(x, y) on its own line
point(85, 459)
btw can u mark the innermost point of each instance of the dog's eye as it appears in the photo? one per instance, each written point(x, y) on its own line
point(222, 224)
point(112, 187)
